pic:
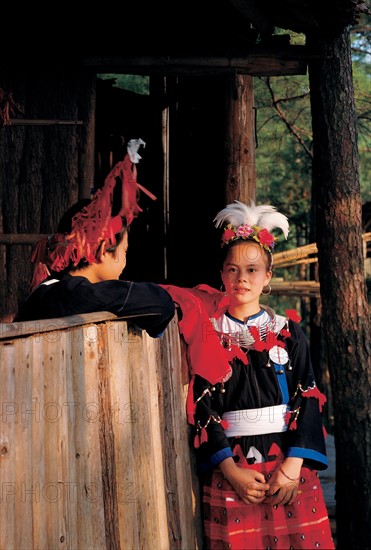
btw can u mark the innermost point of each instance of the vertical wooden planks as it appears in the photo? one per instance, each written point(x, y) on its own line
point(8, 446)
point(151, 364)
point(39, 503)
point(56, 439)
point(150, 494)
point(89, 519)
point(107, 444)
point(94, 443)
point(181, 488)
point(23, 420)
point(125, 420)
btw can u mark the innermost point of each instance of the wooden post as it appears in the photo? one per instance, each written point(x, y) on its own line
point(87, 108)
point(240, 140)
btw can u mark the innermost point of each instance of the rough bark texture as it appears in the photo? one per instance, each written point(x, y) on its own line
point(346, 319)
point(43, 168)
point(240, 140)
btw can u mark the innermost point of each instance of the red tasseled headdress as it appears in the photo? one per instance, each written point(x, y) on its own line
point(94, 223)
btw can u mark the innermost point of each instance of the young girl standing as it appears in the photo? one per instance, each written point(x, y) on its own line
point(254, 403)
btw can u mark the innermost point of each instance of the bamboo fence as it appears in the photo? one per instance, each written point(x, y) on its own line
point(298, 256)
point(94, 449)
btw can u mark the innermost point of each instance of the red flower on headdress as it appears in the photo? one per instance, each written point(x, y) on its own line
point(228, 235)
point(266, 238)
point(244, 231)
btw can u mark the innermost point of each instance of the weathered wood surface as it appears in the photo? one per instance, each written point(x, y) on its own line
point(44, 169)
point(257, 62)
point(94, 449)
point(240, 140)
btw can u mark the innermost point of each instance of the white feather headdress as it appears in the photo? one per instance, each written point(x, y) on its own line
point(256, 222)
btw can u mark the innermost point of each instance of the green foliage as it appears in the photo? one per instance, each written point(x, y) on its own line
point(283, 165)
point(134, 83)
point(284, 151)
point(284, 139)
point(295, 37)
point(362, 94)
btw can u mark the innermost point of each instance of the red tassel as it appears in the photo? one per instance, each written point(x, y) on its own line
point(197, 441)
point(287, 417)
point(204, 436)
point(237, 352)
point(191, 405)
point(271, 340)
point(39, 275)
point(293, 315)
point(314, 392)
point(259, 345)
point(293, 425)
point(224, 424)
point(285, 333)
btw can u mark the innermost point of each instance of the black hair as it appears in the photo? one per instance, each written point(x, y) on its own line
point(65, 223)
point(65, 226)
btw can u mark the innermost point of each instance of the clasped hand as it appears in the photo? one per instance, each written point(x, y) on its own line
point(252, 487)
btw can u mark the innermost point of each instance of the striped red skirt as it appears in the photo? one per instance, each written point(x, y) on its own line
point(230, 523)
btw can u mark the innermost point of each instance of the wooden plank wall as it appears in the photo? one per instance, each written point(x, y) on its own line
point(94, 449)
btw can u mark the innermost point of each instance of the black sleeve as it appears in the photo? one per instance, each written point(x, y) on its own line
point(305, 434)
point(212, 445)
point(152, 306)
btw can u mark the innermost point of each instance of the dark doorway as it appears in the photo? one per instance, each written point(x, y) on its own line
point(182, 121)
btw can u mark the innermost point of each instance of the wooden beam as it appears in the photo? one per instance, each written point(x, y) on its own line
point(240, 141)
point(21, 238)
point(256, 62)
point(39, 326)
point(298, 255)
point(293, 255)
point(295, 288)
point(44, 122)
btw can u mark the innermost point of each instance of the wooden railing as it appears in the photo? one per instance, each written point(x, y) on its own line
point(94, 443)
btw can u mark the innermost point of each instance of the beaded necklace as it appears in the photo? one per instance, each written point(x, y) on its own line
point(232, 331)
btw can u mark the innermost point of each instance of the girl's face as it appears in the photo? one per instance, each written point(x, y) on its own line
point(112, 264)
point(245, 274)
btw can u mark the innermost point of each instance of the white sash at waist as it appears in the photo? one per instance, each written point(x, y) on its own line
point(266, 420)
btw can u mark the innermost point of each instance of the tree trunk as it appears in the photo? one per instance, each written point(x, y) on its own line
point(345, 312)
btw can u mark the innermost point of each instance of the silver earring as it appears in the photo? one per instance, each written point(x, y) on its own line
point(269, 290)
point(222, 289)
